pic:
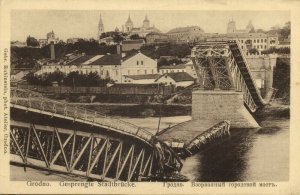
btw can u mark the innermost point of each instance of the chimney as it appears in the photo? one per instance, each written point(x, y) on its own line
point(119, 49)
point(52, 51)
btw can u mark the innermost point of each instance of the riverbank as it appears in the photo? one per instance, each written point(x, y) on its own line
point(138, 110)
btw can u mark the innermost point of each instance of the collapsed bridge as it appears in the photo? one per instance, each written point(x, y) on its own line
point(55, 136)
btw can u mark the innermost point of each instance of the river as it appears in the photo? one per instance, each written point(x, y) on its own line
point(247, 155)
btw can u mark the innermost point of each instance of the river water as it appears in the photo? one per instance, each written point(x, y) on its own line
point(246, 155)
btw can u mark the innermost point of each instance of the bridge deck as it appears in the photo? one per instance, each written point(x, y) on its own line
point(185, 132)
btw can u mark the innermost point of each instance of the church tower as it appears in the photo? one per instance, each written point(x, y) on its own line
point(250, 27)
point(231, 27)
point(100, 27)
point(128, 24)
point(146, 22)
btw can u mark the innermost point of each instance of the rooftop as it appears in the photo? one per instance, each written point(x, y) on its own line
point(133, 41)
point(111, 59)
point(179, 76)
point(185, 29)
point(179, 66)
point(145, 76)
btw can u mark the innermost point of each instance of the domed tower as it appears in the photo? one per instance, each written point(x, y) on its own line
point(250, 27)
point(231, 27)
point(100, 27)
point(146, 22)
point(128, 24)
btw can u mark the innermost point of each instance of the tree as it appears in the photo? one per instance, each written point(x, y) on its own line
point(135, 37)
point(31, 41)
point(253, 51)
point(118, 38)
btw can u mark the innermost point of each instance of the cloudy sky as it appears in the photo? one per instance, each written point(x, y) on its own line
point(84, 24)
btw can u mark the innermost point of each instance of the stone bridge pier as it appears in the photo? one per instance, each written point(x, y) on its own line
point(222, 105)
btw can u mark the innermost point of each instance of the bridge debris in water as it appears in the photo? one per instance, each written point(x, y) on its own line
point(189, 137)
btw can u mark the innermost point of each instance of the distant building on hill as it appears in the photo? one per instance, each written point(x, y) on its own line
point(72, 40)
point(128, 45)
point(248, 41)
point(50, 39)
point(17, 44)
point(141, 31)
point(231, 27)
point(185, 34)
point(156, 38)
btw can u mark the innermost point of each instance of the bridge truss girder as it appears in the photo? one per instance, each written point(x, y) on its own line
point(86, 154)
point(210, 61)
point(217, 68)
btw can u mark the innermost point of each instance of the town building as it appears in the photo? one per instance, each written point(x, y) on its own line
point(50, 39)
point(185, 34)
point(178, 79)
point(141, 79)
point(156, 38)
point(136, 63)
point(72, 40)
point(285, 43)
point(141, 31)
point(129, 25)
point(112, 66)
point(18, 74)
point(231, 27)
point(18, 44)
point(128, 45)
point(248, 41)
point(172, 68)
point(189, 68)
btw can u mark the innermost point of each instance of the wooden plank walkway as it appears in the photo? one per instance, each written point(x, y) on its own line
point(185, 132)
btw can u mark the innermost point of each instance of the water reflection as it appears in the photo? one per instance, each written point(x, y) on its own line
point(248, 155)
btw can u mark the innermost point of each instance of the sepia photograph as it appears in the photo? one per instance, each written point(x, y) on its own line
point(162, 97)
point(150, 95)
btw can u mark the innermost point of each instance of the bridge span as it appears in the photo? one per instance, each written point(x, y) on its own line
point(227, 90)
point(58, 137)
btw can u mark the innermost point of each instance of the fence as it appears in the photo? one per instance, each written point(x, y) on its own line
point(134, 89)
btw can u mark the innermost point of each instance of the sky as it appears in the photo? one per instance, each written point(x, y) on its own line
point(84, 24)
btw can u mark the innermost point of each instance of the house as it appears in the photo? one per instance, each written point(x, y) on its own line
point(179, 79)
point(107, 40)
point(136, 63)
point(107, 66)
point(112, 66)
point(141, 79)
point(17, 75)
point(155, 37)
point(172, 68)
point(128, 45)
point(189, 68)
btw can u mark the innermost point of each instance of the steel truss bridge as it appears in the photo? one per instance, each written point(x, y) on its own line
point(55, 136)
point(223, 66)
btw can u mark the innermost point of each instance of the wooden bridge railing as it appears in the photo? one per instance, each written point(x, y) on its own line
point(36, 101)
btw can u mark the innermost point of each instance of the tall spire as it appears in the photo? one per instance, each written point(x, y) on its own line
point(100, 20)
point(129, 19)
point(100, 27)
